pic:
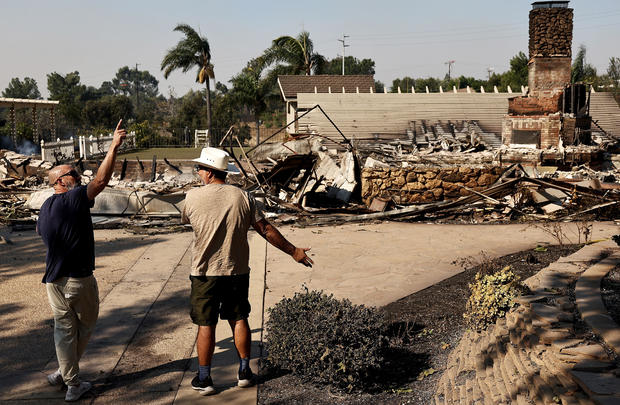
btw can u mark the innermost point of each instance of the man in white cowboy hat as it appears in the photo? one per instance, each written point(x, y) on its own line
point(220, 216)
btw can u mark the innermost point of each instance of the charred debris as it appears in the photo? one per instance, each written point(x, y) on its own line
point(442, 172)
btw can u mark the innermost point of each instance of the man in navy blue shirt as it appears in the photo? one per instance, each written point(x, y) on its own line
point(66, 228)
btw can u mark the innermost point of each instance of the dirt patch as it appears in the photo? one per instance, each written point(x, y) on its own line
point(424, 327)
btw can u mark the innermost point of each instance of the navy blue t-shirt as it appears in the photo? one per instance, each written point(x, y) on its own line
point(67, 230)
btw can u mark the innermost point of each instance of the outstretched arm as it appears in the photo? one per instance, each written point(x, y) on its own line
point(106, 168)
point(273, 236)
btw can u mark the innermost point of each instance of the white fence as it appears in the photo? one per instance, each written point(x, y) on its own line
point(201, 137)
point(89, 146)
point(57, 151)
point(99, 145)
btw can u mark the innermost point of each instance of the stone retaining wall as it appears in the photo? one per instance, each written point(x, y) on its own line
point(425, 184)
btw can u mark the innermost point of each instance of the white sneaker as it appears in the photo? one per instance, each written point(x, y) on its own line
point(74, 392)
point(55, 378)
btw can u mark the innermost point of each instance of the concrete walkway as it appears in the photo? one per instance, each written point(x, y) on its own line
point(121, 314)
point(143, 349)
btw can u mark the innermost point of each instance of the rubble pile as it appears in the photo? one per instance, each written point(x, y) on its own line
point(307, 174)
point(426, 137)
point(514, 196)
point(12, 208)
point(18, 170)
point(306, 181)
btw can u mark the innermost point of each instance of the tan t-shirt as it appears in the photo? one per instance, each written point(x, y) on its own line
point(220, 215)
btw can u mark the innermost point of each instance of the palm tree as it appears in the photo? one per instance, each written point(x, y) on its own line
point(298, 53)
point(191, 51)
point(254, 90)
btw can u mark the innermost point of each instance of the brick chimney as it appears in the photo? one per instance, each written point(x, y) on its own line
point(537, 121)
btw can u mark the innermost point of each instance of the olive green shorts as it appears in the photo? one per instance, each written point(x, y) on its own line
point(225, 297)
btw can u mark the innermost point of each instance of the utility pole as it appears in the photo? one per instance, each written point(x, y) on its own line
point(344, 38)
point(449, 63)
point(136, 81)
point(489, 71)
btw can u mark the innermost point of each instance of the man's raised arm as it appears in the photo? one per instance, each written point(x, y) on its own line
point(273, 236)
point(106, 168)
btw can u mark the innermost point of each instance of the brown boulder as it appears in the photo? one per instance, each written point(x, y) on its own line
point(486, 179)
point(399, 181)
point(437, 193)
point(431, 184)
point(471, 183)
point(451, 176)
point(415, 186)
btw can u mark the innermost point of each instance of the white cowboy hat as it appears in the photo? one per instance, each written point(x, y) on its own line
point(217, 159)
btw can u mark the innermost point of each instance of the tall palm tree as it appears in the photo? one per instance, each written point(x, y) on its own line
point(191, 51)
point(298, 53)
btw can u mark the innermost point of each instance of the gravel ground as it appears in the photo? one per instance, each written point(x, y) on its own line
point(423, 328)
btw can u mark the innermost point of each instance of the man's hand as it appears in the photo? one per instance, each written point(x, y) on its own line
point(273, 236)
point(106, 168)
point(300, 256)
point(119, 135)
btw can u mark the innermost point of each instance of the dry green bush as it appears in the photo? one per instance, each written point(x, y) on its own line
point(492, 295)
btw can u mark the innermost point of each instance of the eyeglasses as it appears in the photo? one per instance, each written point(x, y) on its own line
point(73, 173)
point(198, 168)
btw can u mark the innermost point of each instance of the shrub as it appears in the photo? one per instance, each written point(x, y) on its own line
point(325, 340)
point(492, 295)
point(145, 133)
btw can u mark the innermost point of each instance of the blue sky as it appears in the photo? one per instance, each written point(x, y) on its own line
point(413, 38)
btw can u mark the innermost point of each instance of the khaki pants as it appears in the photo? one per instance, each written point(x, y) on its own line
point(75, 304)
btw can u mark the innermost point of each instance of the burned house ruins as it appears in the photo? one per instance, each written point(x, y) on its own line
point(545, 151)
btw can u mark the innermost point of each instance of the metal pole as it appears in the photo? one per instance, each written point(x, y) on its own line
point(344, 46)
point(137, 88)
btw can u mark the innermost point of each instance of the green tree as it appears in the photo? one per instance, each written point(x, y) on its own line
point(26, 89)
point(352, 66)
point(107, 110)
point(581, 70)
point(190, 111)
point(70, 92)
point(430, 82)
point(518, 74)
point(297, 53)
point(252, 90)
point(613, 71)
point(193, 51)
point(106, 89)
point(405, 84)
point(127, 81)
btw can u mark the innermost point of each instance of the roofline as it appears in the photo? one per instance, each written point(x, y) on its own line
point(282, 90)
point(7, 102)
